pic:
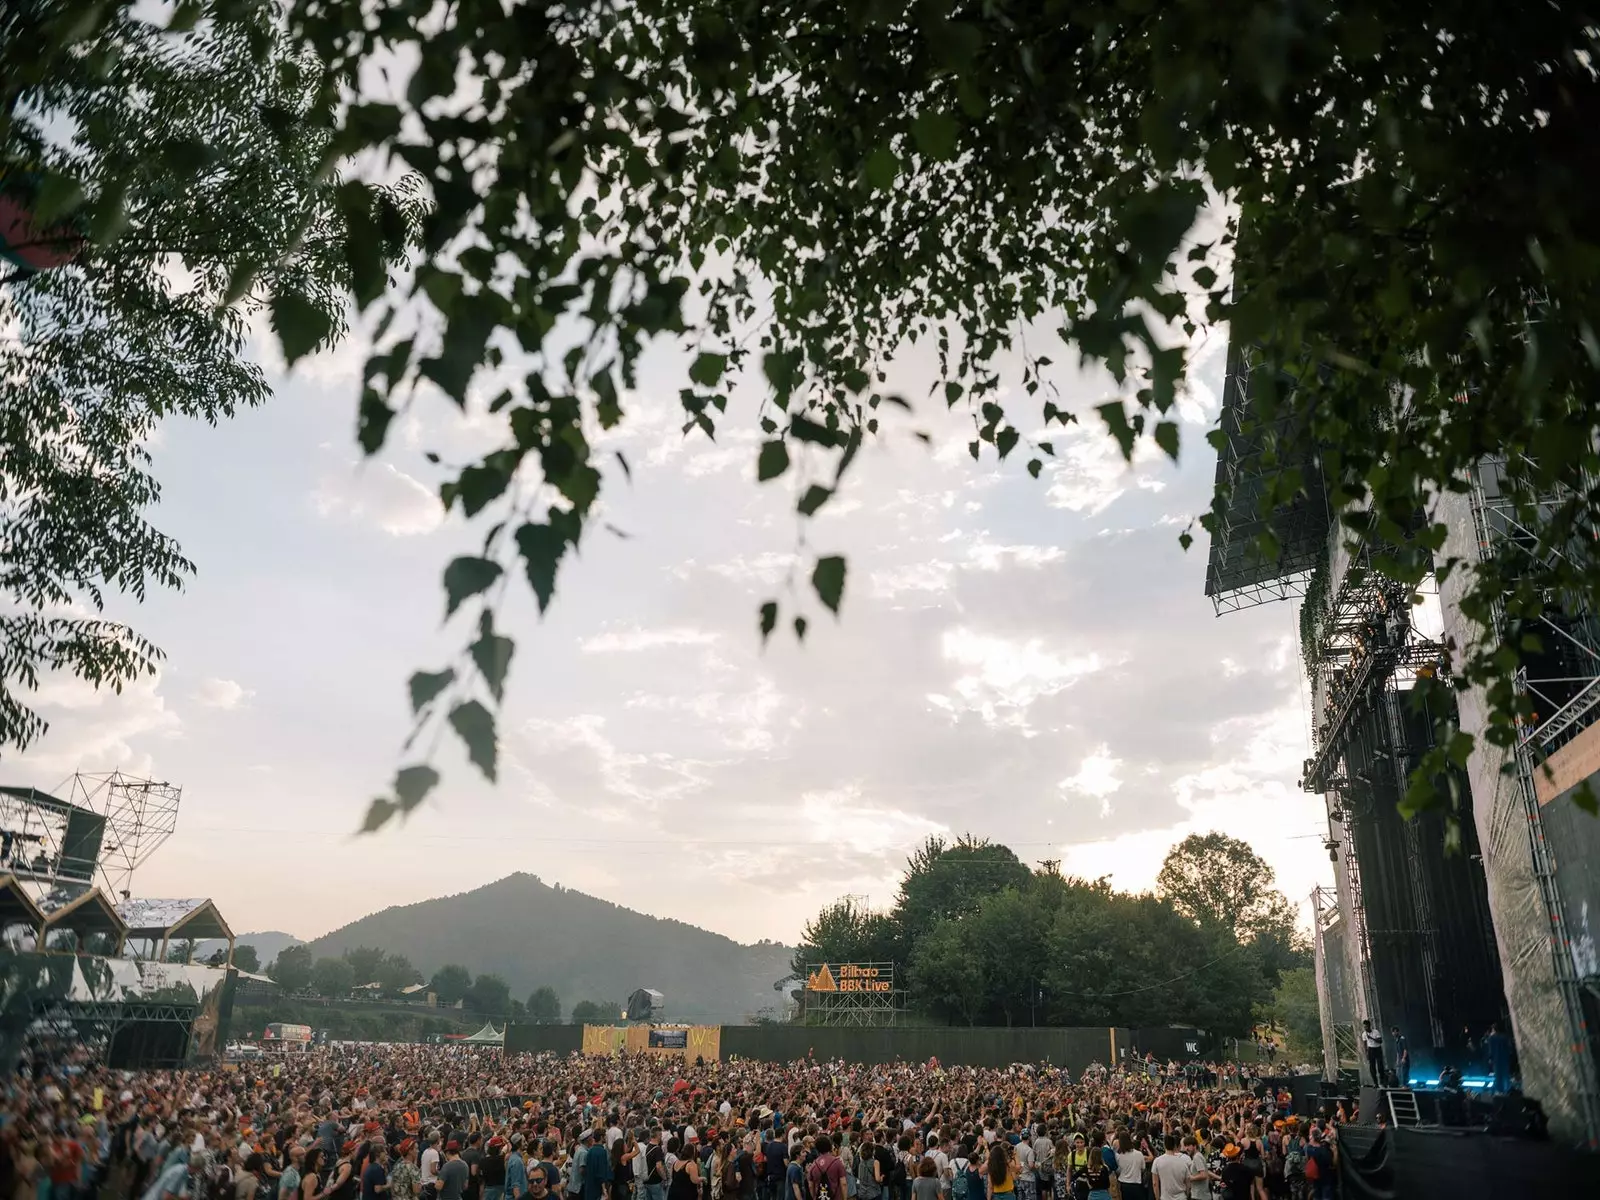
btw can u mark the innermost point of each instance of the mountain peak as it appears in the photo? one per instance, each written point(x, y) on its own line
point(534, 934)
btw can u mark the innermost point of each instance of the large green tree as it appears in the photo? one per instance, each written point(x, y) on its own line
point(451, 983)
point(596, 1012)
point(846, 931)
point(396, 972)
point(544, 1006)
point(1216, 879)
point(291, 970)
point(365, 963)
point(197, 170)
point(490, 995)
point(332, 977)
point(945, 880)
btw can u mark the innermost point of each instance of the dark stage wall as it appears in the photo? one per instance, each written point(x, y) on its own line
point(1071, 1048)
point(543, 1039)
point(1408, 1164)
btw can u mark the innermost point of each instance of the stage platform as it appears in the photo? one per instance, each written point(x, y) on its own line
point(1462, 1164)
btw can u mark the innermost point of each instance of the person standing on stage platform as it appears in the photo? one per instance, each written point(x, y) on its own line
point(1372, 1043)
point(1402, 1057)
point(1498, 1049)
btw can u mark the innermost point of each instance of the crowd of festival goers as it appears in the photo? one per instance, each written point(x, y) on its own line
point(451, 1123)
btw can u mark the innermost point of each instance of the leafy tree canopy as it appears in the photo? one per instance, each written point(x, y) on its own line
point(544, 1006)
point(195, 189)
point(291, 970)
point(365, 963)
point(1052, 950)
point(798, 191)
point(596, 1012)
point(332, 977)
point(490, 995)
point(451, 983)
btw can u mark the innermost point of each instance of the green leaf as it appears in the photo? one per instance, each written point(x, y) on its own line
point(1205, 276)
point(828, 580)
point(952, 392)
point(300, 325)
point(881, 169)
point(1116, 419)
point(1166, 435)
point(372, 421)
point(58, 195)
point(780, 368)
point(425, 685)
point(412, 785)
point(1034, 467)
point(466, 577)
point(935, 135)
point(492, 653)
point(800, 624)
point(773, 461)
point(707, 369)
point(769, 619)
point(1186, 539)
point(474, 725)
point(1006, 440)
point(541, 546)
point(378, 814)
point(816, 496)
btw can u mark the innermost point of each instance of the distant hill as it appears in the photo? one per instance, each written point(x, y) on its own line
point(532, 934)
point(267, 944)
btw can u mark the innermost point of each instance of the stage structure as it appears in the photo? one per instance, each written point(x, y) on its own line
point(1541, 854)
point(105, 828)
point(1238, 574)
point(861, 994)
point(1411, 935)
point(63, 974)
point(1341, 1046)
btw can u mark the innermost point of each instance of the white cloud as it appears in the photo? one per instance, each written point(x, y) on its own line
point(766, 568)
point(100, 730)
point(1089, 473)
point(636, 638)
point(379, 494)
point(221, 693)
point(742, 720)
point(927, 578)
point(648, 780)
point(987, 556)
point(1006, 676)
point(1096, 777)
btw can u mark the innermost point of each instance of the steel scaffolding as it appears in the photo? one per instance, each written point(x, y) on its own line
point(1573, 700)
point(1263, 548)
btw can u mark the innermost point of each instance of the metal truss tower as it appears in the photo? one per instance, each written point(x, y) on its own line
point(1562, 682)
point(141, 814)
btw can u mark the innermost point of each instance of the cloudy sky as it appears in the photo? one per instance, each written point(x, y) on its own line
point(1032, 661)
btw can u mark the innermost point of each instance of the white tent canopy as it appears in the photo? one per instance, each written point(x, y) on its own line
point(487, 1036)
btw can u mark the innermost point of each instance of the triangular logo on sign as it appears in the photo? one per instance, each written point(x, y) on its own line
point(821, 980)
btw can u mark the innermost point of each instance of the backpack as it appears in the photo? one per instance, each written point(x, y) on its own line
point(817, 1177)
point(897, 1173)
point(959, 1187)
point(1313, 1168)
point(1294, 1161)
point(867, 1188)
point(1044, 1170)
